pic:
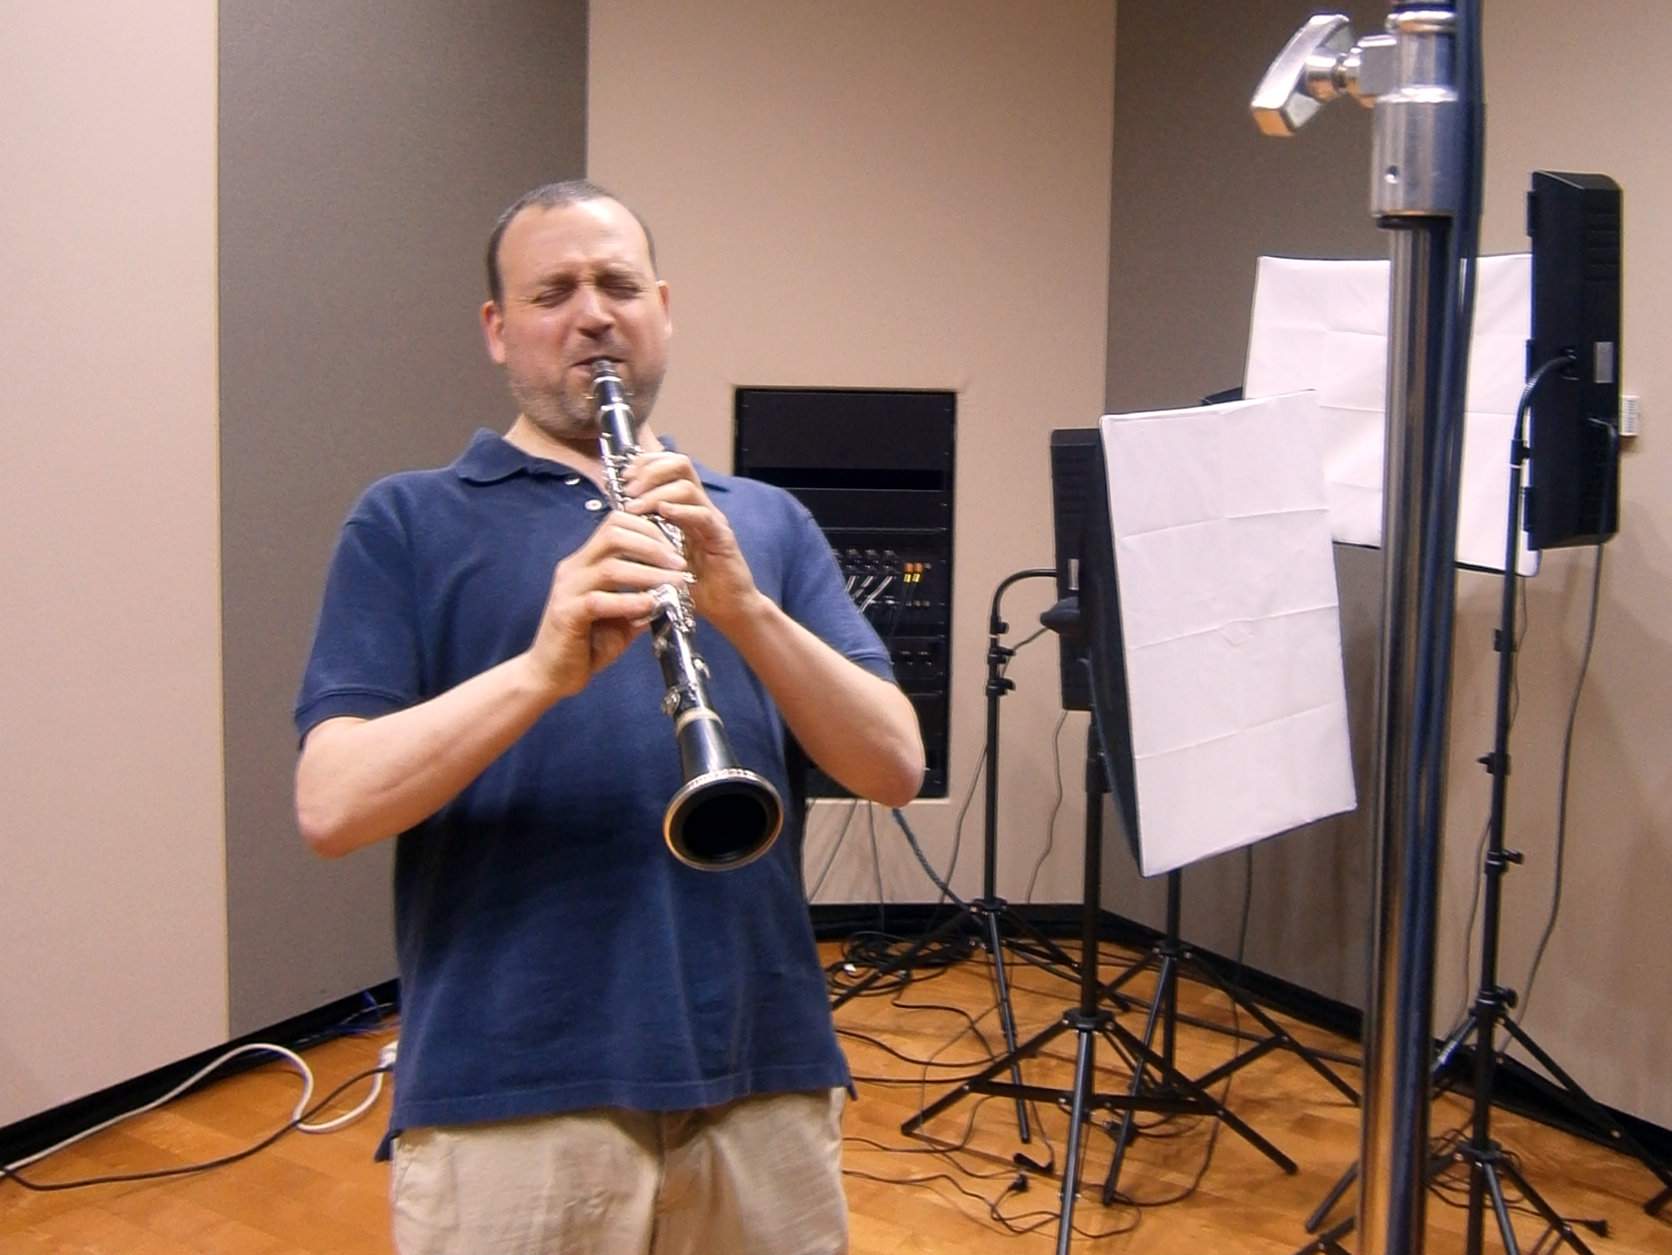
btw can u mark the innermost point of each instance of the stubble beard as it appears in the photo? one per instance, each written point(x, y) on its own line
point(568, 413)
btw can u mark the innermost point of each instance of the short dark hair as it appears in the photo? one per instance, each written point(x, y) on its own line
point(553, 196)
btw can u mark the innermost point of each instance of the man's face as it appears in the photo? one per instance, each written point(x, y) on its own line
point(577, 284)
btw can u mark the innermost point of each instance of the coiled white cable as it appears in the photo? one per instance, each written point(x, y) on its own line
point(386, 1059)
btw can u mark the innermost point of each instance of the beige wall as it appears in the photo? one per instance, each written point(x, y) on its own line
point(112, 901)
point(1583, 92)
point(903, 196)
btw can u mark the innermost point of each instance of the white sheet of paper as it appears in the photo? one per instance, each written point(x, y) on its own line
point(1231, 624)
point(1323, 325)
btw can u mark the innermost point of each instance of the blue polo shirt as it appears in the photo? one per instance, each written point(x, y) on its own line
point(554, 955)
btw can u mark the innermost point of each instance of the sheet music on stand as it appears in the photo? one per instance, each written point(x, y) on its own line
point(1229, 666)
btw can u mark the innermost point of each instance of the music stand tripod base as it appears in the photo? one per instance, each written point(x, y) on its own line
point(1089, 1020)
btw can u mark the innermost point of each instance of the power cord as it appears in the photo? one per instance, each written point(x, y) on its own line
point(835, 848)
point(298, 1122)
point(947, 892)
point(1565, 774)
point(1056, 806)
point(864, 952)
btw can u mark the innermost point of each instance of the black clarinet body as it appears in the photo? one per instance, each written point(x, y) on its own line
point(723, 815)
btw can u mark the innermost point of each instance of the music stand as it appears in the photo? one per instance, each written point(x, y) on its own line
point(1088, 1020)
point(1249, 436)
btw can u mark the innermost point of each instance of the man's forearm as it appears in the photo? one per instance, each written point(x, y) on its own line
point(861, 730)
point(359, 781)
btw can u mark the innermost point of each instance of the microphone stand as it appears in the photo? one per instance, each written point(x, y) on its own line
point(1487, 1165)
point(988, 911)
point(1490, 1011)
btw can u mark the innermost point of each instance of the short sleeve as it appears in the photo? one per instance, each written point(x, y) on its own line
point(367, 656)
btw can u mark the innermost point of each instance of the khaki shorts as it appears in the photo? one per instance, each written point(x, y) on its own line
point(760, 1176)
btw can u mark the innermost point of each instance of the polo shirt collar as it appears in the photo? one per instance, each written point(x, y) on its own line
point(490, 458)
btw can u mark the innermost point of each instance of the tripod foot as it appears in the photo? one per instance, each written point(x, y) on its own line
point(1488, 1168)
point(1328, 1242)
point(1315, 1221)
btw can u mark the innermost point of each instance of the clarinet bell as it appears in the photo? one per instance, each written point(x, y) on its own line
point(724, 820)
point(723, 816)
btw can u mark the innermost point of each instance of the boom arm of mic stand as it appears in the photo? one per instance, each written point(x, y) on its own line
point(997, 687)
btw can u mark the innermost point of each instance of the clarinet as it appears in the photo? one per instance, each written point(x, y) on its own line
point(724, 815)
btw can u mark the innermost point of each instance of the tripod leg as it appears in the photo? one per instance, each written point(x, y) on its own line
point(1123, 1139)
point(1601, 1119)
point(1560, 1227)
point(978, 1082)
point(1111, 992)
point(1506, 1230)
point(1052, 951)
point(1328, 1243)
point(1084, 1061)
point(1484, 1184)
point(1345, 1183)
point(1007, 1021)
point(1195, 1098)
point(1278, 1036)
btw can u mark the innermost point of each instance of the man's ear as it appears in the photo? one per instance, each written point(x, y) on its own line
point(493, 327)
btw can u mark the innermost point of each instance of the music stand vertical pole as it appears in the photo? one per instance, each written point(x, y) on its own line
point(1089, 1019)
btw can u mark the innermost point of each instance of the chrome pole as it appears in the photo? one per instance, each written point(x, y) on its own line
point(1419, 515)
point(1422, 192)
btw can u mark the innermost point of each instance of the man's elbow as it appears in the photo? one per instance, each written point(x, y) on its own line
point(894, 798)
point(901, 777)
point(888, 774)
point(325, 811)
point(325, 829)
point(325, 815)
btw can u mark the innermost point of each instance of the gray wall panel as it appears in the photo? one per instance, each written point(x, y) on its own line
point(365, 149)
point(1199, 194)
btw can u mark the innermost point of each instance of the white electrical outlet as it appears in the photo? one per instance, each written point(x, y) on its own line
point(1630, 414)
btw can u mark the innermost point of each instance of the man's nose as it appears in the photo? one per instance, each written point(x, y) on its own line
point(590, 307)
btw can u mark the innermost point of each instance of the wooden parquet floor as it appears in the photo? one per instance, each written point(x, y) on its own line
point(1188, 1183)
